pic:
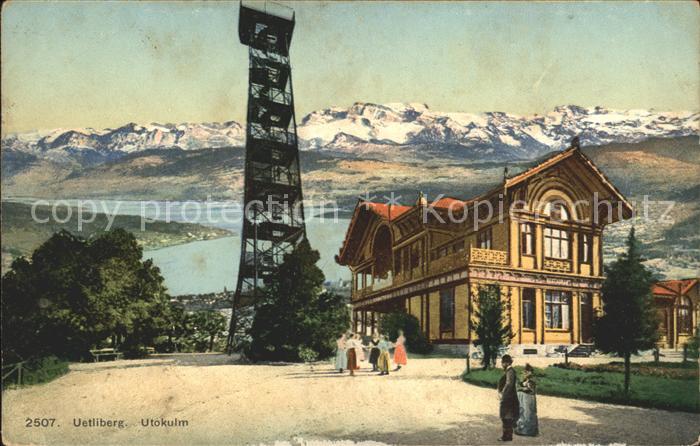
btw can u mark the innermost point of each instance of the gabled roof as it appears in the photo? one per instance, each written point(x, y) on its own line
point(673, 288)
point(388, 212)
point(571, 152)
point(380, 210)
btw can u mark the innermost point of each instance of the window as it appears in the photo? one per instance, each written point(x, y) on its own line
point(556, 309)
point(556, 243)
point(585, 249)
point(459, 246)
point(358, 281)
point(527, 244)
point(483, 239)
point(447, 309)
point(684, 317)
point(556, 211)
point(528, 310)
point(397, 262)
point(415, 254)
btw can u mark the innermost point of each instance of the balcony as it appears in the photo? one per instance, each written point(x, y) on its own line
point(380, 284)
point(449, 262)
point(559, 266)
point(488, 256)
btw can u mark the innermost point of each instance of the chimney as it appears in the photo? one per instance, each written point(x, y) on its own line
point(575, 143)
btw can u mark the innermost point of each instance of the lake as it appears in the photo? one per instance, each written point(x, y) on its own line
point(210, 265)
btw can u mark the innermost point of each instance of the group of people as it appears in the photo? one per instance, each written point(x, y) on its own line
point(518, 409)
point(351, 352)
point(518, 401)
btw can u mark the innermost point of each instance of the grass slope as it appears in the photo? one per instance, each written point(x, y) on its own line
point(647, 389)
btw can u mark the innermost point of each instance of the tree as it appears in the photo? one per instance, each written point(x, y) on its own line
point(294, 312)
point(208, 325)
point(492, 333)
point(391, 323)
point(628, 323)
point(74, 294)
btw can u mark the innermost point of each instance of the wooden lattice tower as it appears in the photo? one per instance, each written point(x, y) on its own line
point(273, 220)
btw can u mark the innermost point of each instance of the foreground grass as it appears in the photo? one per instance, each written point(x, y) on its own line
point(36, 371)
point(645, 391)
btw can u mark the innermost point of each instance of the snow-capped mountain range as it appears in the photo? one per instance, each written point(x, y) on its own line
point(495, 132)
point(370, 129)
point(91, 144)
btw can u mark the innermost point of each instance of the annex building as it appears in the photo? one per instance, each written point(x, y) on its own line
point(536, 238)
point(677, 304)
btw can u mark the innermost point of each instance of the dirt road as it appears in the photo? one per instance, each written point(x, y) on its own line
point(223, 403)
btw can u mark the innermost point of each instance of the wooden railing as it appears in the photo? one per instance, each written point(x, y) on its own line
point(488, 256)
point(449, 262)
point(560, 266)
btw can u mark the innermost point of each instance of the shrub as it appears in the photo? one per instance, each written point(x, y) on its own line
point(391, 323)
point(39, 370)
point(307, 355)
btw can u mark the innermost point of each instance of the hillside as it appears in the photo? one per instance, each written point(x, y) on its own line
point(21, 233)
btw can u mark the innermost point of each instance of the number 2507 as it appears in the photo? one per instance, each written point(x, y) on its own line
point(39, 422)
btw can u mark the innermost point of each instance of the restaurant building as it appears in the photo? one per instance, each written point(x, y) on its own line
point(536, 238)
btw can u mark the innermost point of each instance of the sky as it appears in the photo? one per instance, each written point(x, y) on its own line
point(90, 64)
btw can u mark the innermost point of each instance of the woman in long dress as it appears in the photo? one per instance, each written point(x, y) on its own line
point(374, 352)
point(527, 397)
point(360, 349)
point(400, 357)
point(352, 345)
point(384, 359)
point(341, 356)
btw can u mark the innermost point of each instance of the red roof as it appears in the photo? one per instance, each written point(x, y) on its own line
point(449, 203)
point(386, 211)
point(673, 288)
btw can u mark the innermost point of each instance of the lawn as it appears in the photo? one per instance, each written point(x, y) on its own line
point(647, 388)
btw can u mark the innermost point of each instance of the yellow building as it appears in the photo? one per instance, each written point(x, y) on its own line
point(537, 237)
point(678, 307)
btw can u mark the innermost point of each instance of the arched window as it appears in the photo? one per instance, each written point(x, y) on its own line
point(685, 323)
point(556, 210)
point(381, 251)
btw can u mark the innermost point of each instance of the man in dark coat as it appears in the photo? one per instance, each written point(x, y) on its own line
point(509, 410)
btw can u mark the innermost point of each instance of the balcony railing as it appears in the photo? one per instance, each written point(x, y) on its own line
point(449, 262)
point(560, 266)
point(488, 256)
point(382, 283)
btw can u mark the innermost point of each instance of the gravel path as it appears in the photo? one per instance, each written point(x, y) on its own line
point(223, 403)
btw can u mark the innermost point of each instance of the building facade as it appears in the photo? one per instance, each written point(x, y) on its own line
point(677, 304)
point(536, 238)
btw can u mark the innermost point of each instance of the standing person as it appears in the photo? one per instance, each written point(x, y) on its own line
point(509, 409)
point(360, 349)
point(341, 357)
point(400, 357)
point(527, 398)
point(383, 360)
point(351, 345)
point(374, 352)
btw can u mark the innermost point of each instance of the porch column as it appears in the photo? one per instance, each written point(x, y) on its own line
point(539, 311)
point(674, 326)
point(576, 316)
point(539, 246)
